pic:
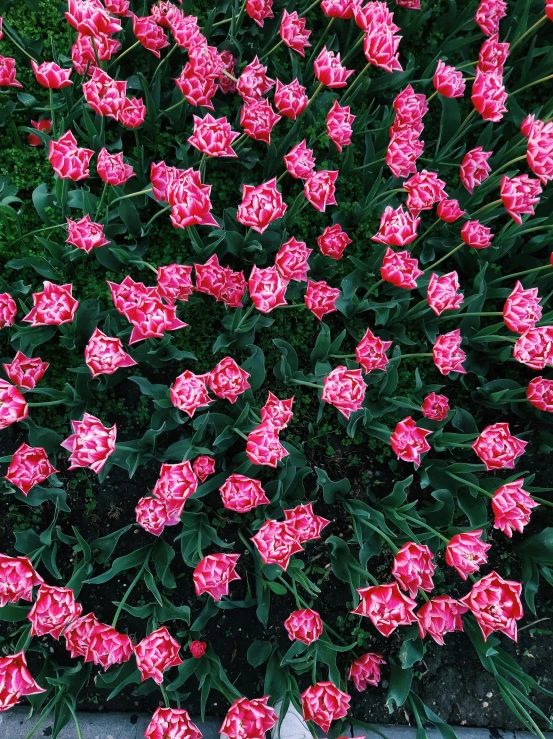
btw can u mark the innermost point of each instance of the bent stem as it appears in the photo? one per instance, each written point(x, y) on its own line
point(386, 538)
point(38, 231)
point(532, 84)
point(165, 696)
point(426, 526)
point(47, 711)
point(130, 589)
point(132, 195)
point(446, 256)
point(274, 48)
point(48, 402)
point(320, 41)
point(156, 215)
point(481, 313)
point(317, 91)
point(470, 484)
point(520, 274)
point(528, 32)
point(485, 207)
point(240, 433)
point(127, 51)
point(307, 384)
point(75, 719)
point(101, 203)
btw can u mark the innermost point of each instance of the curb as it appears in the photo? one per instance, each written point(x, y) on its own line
point(15, 725)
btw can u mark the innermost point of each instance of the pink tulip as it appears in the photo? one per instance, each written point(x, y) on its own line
point(172, 723)
point(539, 393)
point(320, 189)
point(370, 353)
point(86, 235)
point(291, 261)
point(53, 610)
point(397, 227)
point(442, 294)
point(539, 153)
point(345, 390)
point(320, 298)
point(293, 32)
point(413, 568)
point(365, 670)
point(16, 680)
point(512, 507)
point(448, 81)
point(197, 90)
point(112, 169)
point(498, 448)
point(8, 310)
point(263, 446)
point(68, 160)
point(476, 235)
point(276, 542)
point(17, 579)
point(150, 35)
point(204, 467)
point(449, 210)
point(447, 353)
point(13, 406)
point(24, 371)
point(107, 647)
point(189, 392)
point(380, 47)
point(253, 83)
point(489, 95)
point(174, 282)
point(227, 380)
point(214, 573)
point(408, 441)
point(105, 95)
point(242, 494)
point(475, 168)
point(290, 99)
point(495, 604)
point(299, 161)
point(51, 75)
point(152, 515)
point(157, 652)
point(90, 444)
point(333, 241)
point(307, 524)
point(387, 607)
point(248, 719)
point(258, 119)
point(493, 55)
point(435, 407)
point(488, 15)
point(466, 552)
point(52, 307)
point(400, 269)
point(259, 10)
point(324, 703)
point(522, 309)
point(90, 18)
point(329, 69)
point(424, 190)
point(440, 616)
point(519, 195)
point(29, 467)
point(535, 348)
point(278, 412)
point(339, 122)
point(260, 206)
point(304, 625)
point(213, 136)
point(8, 72)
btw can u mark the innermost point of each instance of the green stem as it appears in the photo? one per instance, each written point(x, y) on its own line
point(415, 308)
point(531, 84)
point(165, 696)
point(485, 207)
point(14, 42)
point(275, 47)
point(229, 75)
point(519, 274)
point(102, 198)
point(51, 98)
point(317, 91)
point(162, 62)
point(371, 290)
point(118, 59)
point(313, 5)
point(426, 526)
point(38, 231)
point(245, 317)
point(240, 433)
point(508, 164)
point(176, 105)
point(49, 402)
point(470, 484)
point(386, 538)
point(47, 711)
point(132, 195)
point(431, 97)
point(130, 589)
point(430, 228)
point(307, 384)
point(75, 719)
point(446, 256)
point(482, 313)
point(346, 95)
point(417, 354)
point(320, 42)
point(542, 501)
point(314, 667)
point(528, 32)
point(157, 215)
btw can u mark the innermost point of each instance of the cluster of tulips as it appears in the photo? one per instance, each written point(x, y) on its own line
point(152, 311)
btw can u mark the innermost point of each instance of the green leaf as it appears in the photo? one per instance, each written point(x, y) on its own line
point(259, 652)
point(400, 685)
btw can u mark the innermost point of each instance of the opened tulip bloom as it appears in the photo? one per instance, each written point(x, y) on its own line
point(260, 206)
point(112, 169)
point(345, 390)
point(540, 394)
point(203, 467)
point(495, 603)
point(397, 227)
point(90, 444)
point(157, 652)
point(535, 348)
point(68, 160)
point(276, 542)
point(519, 195)
point(290, 99)
point(29, 467)
point(435, 407)
point(466, 552)
point(293, 32)
point(8, 310)
point(400, 269)
point(299, 161)
point(214, 573)
point(248, 719)
point(498, 448)
point(53, 306)
point(51, 75)
point(53, 610)
point(365, 670)
point(86, 235)
point(307, 524)
point(268, 286)
point(442, 292)
point(447, 353)
point(440, 616)
point(333, 241)
point(408, 441)
point(25, 372)
point(242, 494)
point(448, 81)
point(291, 263)
point(13, 406)
point(304, 625)
point(475, 168)
point(522, 309)
point(370, 353)
point(173, 723)
point(264, 447)
point(189, 392)
point(324, 703)
point(512, 507)
point(15, 681)
point(386, 607)
point(17, 579)
point(321, 298)
point(227, 380)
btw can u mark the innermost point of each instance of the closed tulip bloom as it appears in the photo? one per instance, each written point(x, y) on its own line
point(17, 579)
point(213, 136)
point(152, 515)
point(329, 69)
point(413, 568)
point(260, 206)
point(307, 524)
point(84, 51)
point(440, 616)
point(408, 441)
point(214, 573)
point(320, 189)
point(345, 390)
point(205, 60)
point(435, 407)
point(380, 47)
point(104, 94)
point(51, 75)
point(333, 241)
point(242, 494)
point(174, 282)
point(86, 235)
point(493, 54)
point(522, 309)
point(386, 607)
point(400, 269)
point(203, 467)
point(176, 483)
point(8, 72)
point(248, 719)
point(424, 190)
point(112, 169)
point(91, 18)
point(259, 10)
point(466, 552)
point(489, 95)
point(448, 81)
point(68, 160)
point(228, 380)
point(190, 201)
point(320, 298)
point(198, 649)
point(29, 467)
point(210, 277)
point(197, 90)
point(156, 653)
point(53, 610)
point(324, 703)
point(449, 210)
point(475, 168)
point(291, 261)
point(25, 371)
point(340, 8)
point(370, 353)
point(90, 444)
point(290, 99)
point(258, 119)
point(339, 122)
point(535, 348)
point(278, 412)
point(293, 32)
point(13, 406)
point(512, 507)
point(52, 307)
point(267, 288)
point(397, 227)
point(149, 33)
point(276, 542)
point(403, 151)
point(172, 723)
point(540, 394)
point(498, 448)
point(299, 161)
point(8, 310)
point(410, 107)
point(254, 83)
point(476, 235)
point(107, 647)
point(442, 294)
point(519, 195)
point(495, 604)
point(374, 14)
point(304, 625)
point(488, 15)
point(447, 353)
point(15, 681)
point(365, 670)
point(233, 289)
point(263, 446)
point(539, 152)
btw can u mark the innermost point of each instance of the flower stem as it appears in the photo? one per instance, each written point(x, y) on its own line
point(426, 526)
point(132, 195)
point(470, 484)
point(352, 86)
point(446, 256)
point(7, 31)
point(156, 215)
point(101, 203)
point(240, 433)
point(127, 51)
point(229, 75)
point(519, 274)
point(431, 97)
point(130, 589)
point(275, 47)
point(528, 32)
point(386, 538)
point(485, 207)
point(49, 402)
point(162, 62)
point(320, 41)
point(531, 84)
point(307, 384)
point(481, 313)
point(38, 231)
point(165, 696)
point(317, 91)
point(75, 719)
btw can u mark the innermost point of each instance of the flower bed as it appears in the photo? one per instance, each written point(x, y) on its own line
point(275, 395)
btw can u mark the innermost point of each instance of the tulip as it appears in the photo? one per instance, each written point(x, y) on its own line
point(498, 448)
point(157, 652)
point(344, 389)
point(291, 262)
point(320, 298)
point(214, 573)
